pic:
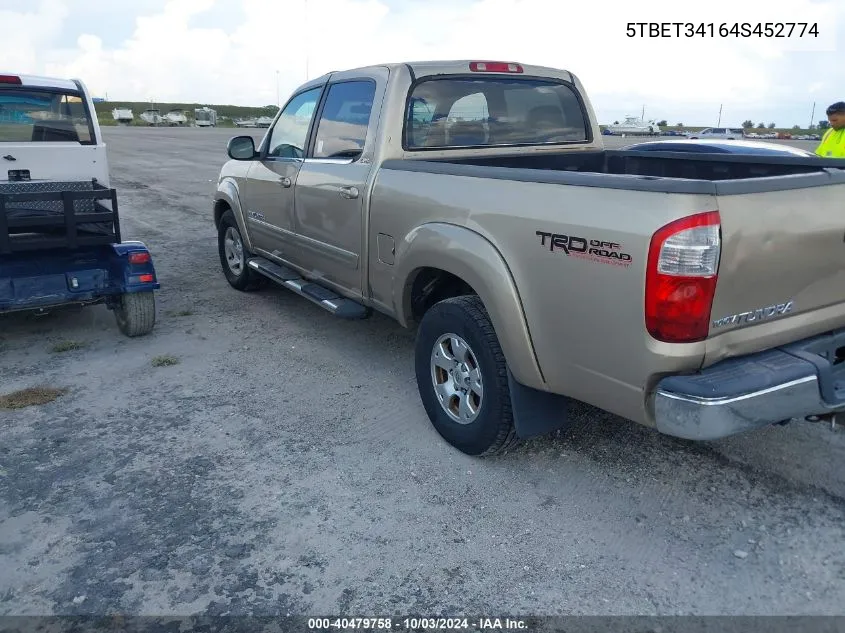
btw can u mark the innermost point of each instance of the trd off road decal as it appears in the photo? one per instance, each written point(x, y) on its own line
point(582, 248)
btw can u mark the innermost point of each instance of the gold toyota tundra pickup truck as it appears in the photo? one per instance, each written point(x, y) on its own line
point(702, 294)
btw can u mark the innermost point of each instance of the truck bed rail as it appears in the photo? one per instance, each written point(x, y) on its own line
point(55, 215)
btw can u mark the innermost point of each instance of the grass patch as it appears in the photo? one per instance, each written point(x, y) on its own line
point(165, 361)
point(30, 397)
point(68, 346)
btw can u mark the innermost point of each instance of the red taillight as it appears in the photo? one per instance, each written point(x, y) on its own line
point(683, 266)
point(139, 258)
point(145, 279)
point(10, 79)
point(494, 67)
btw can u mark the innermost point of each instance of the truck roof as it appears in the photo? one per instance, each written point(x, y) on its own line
point(424, 68)
point(38, 81)
point(454, 66)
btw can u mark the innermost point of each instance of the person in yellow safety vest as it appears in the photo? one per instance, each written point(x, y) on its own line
point(832, 144)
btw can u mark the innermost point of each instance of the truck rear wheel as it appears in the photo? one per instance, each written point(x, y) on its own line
point(136, 313)
point(462, 377)
point(234, 255)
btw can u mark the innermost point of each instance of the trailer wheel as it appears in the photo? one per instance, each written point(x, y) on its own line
point(462, 377)
point(135, 313)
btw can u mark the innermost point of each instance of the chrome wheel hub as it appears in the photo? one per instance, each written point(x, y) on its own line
point(233, 249)
point(456, 376)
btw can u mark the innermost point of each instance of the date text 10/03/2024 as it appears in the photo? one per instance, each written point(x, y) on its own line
point(725, 29)
point(417, 623)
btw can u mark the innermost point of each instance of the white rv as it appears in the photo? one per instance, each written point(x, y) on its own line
point(205, 117)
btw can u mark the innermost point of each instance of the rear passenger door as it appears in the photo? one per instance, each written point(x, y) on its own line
point(332, 194)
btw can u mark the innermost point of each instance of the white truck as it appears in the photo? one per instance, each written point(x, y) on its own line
point(60, 237)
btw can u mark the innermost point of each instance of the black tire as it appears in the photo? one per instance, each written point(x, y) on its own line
point(135, 313)
point(244, 278)
point(492, 431)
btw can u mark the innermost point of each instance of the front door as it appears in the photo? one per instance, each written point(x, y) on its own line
point(269, 196)
point(331, 192)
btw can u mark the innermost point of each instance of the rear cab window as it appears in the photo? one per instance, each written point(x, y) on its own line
point(493, 112)
point(34, 115)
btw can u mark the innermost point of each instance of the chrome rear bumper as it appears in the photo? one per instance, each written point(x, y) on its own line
point(741, 394)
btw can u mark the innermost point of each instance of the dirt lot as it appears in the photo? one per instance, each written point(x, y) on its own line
point(281, 462)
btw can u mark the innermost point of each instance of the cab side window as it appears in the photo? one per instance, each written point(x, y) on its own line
point(287, 140)
point(344, 121)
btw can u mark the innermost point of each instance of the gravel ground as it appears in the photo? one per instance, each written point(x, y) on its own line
point(284, 464)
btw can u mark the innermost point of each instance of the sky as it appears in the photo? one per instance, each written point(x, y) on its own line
point(255, 52)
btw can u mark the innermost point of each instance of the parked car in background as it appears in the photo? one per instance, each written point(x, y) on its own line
point(730, 133)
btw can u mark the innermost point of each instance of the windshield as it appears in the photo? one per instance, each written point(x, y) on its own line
point(493, 111)
point(38, 115)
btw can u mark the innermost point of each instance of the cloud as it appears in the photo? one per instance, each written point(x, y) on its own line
point(24, 35)
point(238, 57)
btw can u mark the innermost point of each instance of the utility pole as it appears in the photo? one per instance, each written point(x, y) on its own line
point(812, 115)
point(720, 116)
point(278, 104)
point(306, 41)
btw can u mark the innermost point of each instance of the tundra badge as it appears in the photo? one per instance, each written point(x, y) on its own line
point(752, 316)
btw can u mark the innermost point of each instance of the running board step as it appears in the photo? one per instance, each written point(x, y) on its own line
point(322, 296)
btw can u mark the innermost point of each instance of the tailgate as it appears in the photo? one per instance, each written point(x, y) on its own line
point(782, 266)
point(47, 161)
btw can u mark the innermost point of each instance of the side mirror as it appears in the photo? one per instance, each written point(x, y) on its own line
point(241, 148)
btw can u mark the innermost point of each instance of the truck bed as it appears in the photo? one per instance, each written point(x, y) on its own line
point(36, 215)
point(780, 233)
point(652, 165)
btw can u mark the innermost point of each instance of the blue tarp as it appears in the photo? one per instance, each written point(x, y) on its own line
point(16, 99)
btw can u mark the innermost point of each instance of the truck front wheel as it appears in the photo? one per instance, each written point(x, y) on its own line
point(234, 255)
point(135, 313)
point(462, 377)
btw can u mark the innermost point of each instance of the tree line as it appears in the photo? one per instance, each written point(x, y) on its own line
point(748, 124)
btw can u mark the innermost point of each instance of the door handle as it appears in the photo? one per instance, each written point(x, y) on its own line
point(349, 192)
point(285, 182)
